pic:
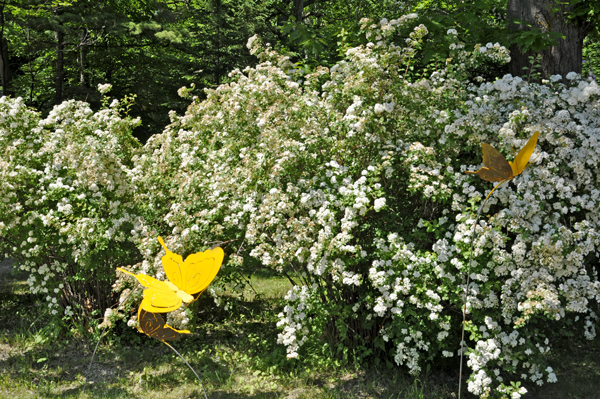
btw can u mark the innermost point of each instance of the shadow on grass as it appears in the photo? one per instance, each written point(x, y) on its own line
point(234, 352)
point(236, 355)
point(103, 391)
point(576, 363)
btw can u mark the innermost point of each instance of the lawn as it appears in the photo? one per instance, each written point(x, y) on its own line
point(234, 351)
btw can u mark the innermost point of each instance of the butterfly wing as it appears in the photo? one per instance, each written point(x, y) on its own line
point(144, 279)
point(200, 269)
point(522, 159)
point(196, 273)
point(172, 265)
point(153, 325)
point(160, 300)
point(499, 167)
point(158, 296)
point(496, 167)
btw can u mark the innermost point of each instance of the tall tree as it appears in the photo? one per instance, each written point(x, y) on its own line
point(550, 32)
point(5, 73)
point(59, 36)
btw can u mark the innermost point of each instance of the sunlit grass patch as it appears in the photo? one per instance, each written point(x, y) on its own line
point(263, 284)
point(270, 285)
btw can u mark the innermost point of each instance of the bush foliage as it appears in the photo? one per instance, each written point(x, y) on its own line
point(67, 210)
point(350, 182)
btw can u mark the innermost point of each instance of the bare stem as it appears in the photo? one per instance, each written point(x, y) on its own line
point(462, 338)
point(194, 371)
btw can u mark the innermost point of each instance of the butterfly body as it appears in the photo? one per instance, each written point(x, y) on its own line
point(160, 296)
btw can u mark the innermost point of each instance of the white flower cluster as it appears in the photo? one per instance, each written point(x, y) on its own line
point(179, 318)
point(292, 320)
point(104, 88)
point(67, 195)
point(380, 108)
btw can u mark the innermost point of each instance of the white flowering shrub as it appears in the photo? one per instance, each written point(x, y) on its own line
point(350, 181)
point(66, 210)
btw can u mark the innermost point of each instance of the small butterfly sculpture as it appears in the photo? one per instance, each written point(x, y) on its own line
point(153, 325)
point(187, 279)
point(497, 168)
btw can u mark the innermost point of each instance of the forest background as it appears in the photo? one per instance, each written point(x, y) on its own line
point(57, 50)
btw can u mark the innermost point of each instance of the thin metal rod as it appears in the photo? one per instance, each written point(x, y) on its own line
point(92, 359)
point(462, 338)
point(102, 335)
point(93, 354)
point(194, 371)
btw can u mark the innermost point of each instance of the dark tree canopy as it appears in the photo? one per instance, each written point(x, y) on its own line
point(52, 51)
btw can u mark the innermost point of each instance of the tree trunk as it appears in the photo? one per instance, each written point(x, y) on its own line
point(547, 16)
point(5, 74)
point(60, 71)
point(299, 10)
point(82, 57)
point(4, 67)
point(218, 5)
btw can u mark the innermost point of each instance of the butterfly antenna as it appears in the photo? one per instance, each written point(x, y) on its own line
point(194, 371)
point(162, 242)
point(462, 338)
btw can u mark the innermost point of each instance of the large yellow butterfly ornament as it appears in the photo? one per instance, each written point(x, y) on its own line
point(498, 169)
point(186, 279)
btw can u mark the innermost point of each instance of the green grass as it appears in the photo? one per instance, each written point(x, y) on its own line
point(235, 352)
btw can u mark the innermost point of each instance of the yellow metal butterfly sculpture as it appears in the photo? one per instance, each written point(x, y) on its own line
point(186, 279)
point(497, 168)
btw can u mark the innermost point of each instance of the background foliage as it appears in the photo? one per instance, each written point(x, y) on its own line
point(62, 50)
